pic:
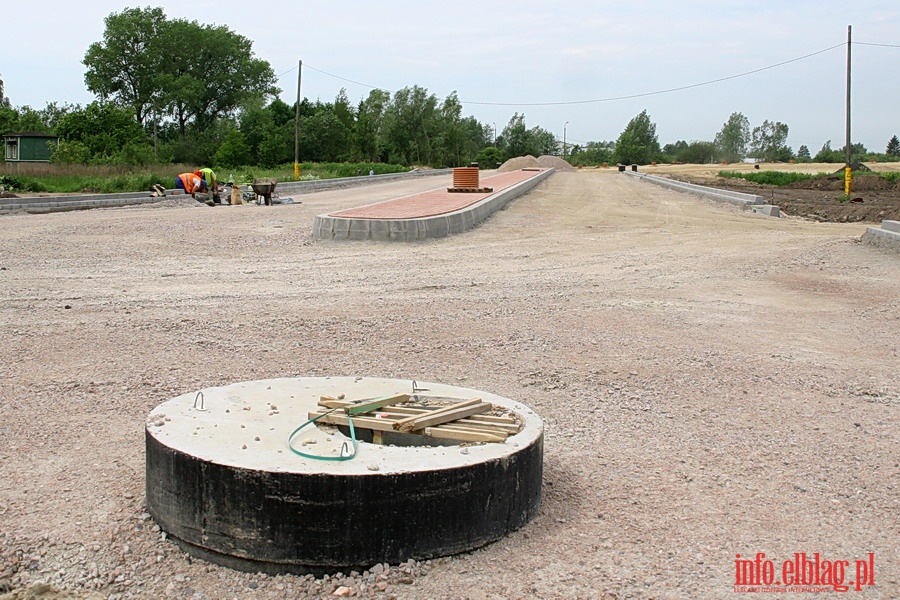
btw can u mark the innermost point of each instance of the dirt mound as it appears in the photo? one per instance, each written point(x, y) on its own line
point(856, 167)
point(519, 163)
point(554, 162)
point(545, 161)
point(867, 183)
point(822, 198)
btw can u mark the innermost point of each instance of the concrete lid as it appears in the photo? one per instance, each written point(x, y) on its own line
point(247, 425)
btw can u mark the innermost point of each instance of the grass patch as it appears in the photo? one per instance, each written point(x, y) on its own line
point(769, 177)
point(782, 178)
point(308, 170)
point(74, 179)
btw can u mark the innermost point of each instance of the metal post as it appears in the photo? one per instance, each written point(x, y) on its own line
point(848, 169)
point(297, 125)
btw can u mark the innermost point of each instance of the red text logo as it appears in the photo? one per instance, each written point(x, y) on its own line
point(803, 573)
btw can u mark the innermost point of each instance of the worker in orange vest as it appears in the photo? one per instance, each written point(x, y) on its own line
point(190, 183)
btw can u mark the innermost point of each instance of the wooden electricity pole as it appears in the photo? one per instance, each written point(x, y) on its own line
point(297, 125)
point(848, 170)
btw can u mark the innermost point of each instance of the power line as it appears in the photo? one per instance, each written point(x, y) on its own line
point(881, 45)
point(667, 91)
point(374, 87)
point(613, 98)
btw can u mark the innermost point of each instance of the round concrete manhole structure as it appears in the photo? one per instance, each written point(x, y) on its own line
point(269, 476)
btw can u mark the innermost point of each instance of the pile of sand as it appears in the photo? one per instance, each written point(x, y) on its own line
point(554, 162)
point(529, 162)
point(519, 163)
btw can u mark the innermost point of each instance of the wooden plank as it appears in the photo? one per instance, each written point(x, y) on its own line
point(476, 420)
point(339, 418)
point(455, 427)
point(449, 433)
point(446, 432)
point(498, 419)
point(419, 410)
point(370, 405)
point(468, 427)
point(413, 419)
point(479, 420)
point(441, 416)
point(361, 406)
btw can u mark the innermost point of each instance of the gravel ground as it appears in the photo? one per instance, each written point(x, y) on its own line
point(713, 383)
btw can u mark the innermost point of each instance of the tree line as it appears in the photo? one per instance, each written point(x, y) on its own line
point(177, 91)
point(735, 141)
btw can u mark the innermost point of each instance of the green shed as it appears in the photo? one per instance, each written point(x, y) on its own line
point(29, 146)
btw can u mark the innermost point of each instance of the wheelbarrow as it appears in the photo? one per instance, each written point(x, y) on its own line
point(264, 188)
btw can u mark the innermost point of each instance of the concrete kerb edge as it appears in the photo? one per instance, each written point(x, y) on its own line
point(887, 236)
point(328, 227)
point(747, 201)
point(317, 185)
point(80, 201)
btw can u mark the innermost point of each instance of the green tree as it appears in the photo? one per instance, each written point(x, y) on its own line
point(256, 122)
point(673, 149)
point(827, 155)
point(71, 153)
point(543, 140)
point(104, 129)
point(234, 151)
point(452, 133)
point(594, 153)
point(277, 146)
point(367, 130)
point(489, 158)
point(893, 147)
point(638, 143)
point(4, 101)
point(210, 73)
point(515, 140)
point(30, 119)
point(323, 138)
point(733, 137)
point(858, 153)
point(9, 119)
point(803, 153)
point(410, 125)
point(187, 71)
point(518, 140)
point(343, 110)
point(768, 141)
point(126, 66)
point(699, 153)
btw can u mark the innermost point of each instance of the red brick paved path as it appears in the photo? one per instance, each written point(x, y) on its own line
point(435, 202)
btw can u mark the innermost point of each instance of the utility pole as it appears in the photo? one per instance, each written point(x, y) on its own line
point(564, 138)
point(848, 170)
point(297, 125)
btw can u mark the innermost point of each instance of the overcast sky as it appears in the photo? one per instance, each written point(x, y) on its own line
point(593, 65)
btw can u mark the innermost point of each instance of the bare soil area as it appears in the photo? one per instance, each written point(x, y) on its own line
point(872, 198)
point(713, 383)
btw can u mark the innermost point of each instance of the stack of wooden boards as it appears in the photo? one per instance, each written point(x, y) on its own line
point(462, 420)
